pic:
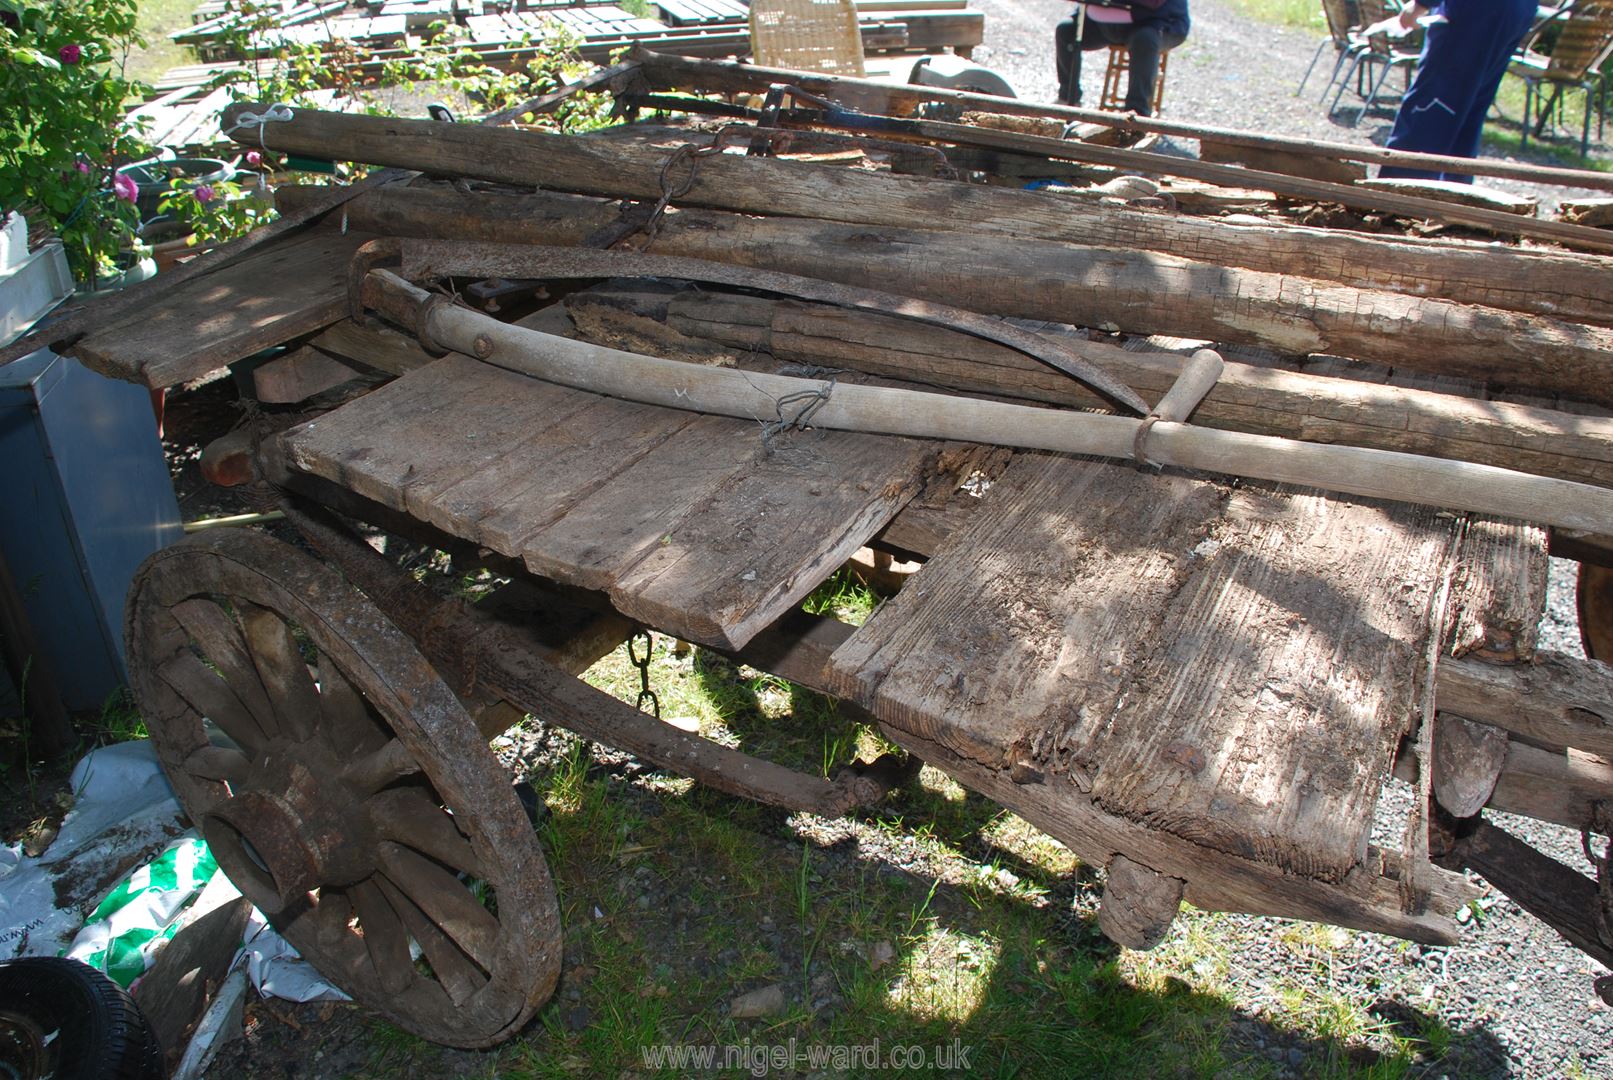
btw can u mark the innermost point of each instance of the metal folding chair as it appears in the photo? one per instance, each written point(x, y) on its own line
point(1340, 15)
point(1380, 52)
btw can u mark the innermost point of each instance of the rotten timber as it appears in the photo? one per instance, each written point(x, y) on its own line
point(1134, 291)
point(1558, 284)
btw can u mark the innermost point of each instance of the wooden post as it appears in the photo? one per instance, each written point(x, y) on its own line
point(1467, 763)
point(1138, 904)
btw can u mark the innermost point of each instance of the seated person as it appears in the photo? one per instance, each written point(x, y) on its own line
point(1147, 27)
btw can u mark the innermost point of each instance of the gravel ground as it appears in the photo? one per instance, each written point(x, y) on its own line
point(1232, 72)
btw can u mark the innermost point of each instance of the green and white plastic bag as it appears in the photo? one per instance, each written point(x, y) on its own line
point(125, 931)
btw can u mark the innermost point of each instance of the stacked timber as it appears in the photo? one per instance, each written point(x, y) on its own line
point(1313, 559)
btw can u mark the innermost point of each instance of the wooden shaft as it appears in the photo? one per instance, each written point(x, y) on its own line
point(1560, 897)
point(666, 72)
point(1198, 376)
point(1263, 400)
point(1141, 161)
point(1351, 470)
point(1558, 700)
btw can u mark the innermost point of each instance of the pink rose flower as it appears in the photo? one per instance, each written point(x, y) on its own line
point(254, 158)
point(82, 166)
point(125, 188)
point(70, 54)
point(204, 194)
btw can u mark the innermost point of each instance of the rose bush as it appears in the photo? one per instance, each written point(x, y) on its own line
point(62, 91)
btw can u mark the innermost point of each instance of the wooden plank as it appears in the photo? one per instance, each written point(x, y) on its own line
point(770, 533)
point(1232, 665)
point(428, 430)
point(286, 287)
point(376, 346)
point(1499, 591)
point(601, 537)
point(567, 455)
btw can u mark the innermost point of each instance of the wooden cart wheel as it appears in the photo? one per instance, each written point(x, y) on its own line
point(344, 789)
point(1595, 601)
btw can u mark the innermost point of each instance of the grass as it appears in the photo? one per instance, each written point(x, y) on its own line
point(1561, 143)
point(941, 922)
point(1299, 14)
point(157, 19)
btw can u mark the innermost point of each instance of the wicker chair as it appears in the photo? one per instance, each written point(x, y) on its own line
point(807, 35)
point(1377, 51)
point(1341, 22)
point(1575, 63)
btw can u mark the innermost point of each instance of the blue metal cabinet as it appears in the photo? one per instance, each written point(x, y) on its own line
point(85, 496)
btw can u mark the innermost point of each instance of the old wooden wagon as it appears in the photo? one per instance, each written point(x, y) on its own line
point(1194, 652)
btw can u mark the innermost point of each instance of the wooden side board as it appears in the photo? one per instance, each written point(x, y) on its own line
point(690, 523)
point(1234, 665)
point(287, 287)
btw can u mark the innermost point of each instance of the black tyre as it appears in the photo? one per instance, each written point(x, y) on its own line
point(63, 1019)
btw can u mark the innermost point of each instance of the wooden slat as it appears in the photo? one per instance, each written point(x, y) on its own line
point(594, 544)
point(1232, 665)
point(769, 534)
point(289, 286)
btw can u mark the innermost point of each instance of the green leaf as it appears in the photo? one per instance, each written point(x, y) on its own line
point(23, 54)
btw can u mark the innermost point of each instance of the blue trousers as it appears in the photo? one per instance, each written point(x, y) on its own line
point(1457, 77)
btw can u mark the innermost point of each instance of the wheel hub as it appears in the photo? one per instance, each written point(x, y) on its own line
point(292, 828)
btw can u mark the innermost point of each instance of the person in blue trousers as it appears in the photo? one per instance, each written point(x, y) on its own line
point(1147, 28)
point(1466, 52)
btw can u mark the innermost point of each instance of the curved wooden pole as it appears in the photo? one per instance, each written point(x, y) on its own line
point(1351, 470)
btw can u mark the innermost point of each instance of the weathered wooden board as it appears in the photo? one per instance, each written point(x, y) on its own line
point(687, 521)
point(1234, 665)
point(285, 288)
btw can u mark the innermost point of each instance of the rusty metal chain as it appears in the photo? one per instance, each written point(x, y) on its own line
point(643, 665)
point(671, 189)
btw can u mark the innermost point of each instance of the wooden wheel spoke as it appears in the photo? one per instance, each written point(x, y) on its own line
point(218, 763)
point(343, 955)
point(377, 769)
point(445, 900)
point(384, 937)
point(209, 695)
point(211, 627)
point(410, 817)
point(344, 717)
point(452, 967)
point(280, 664)
point(331, 774)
